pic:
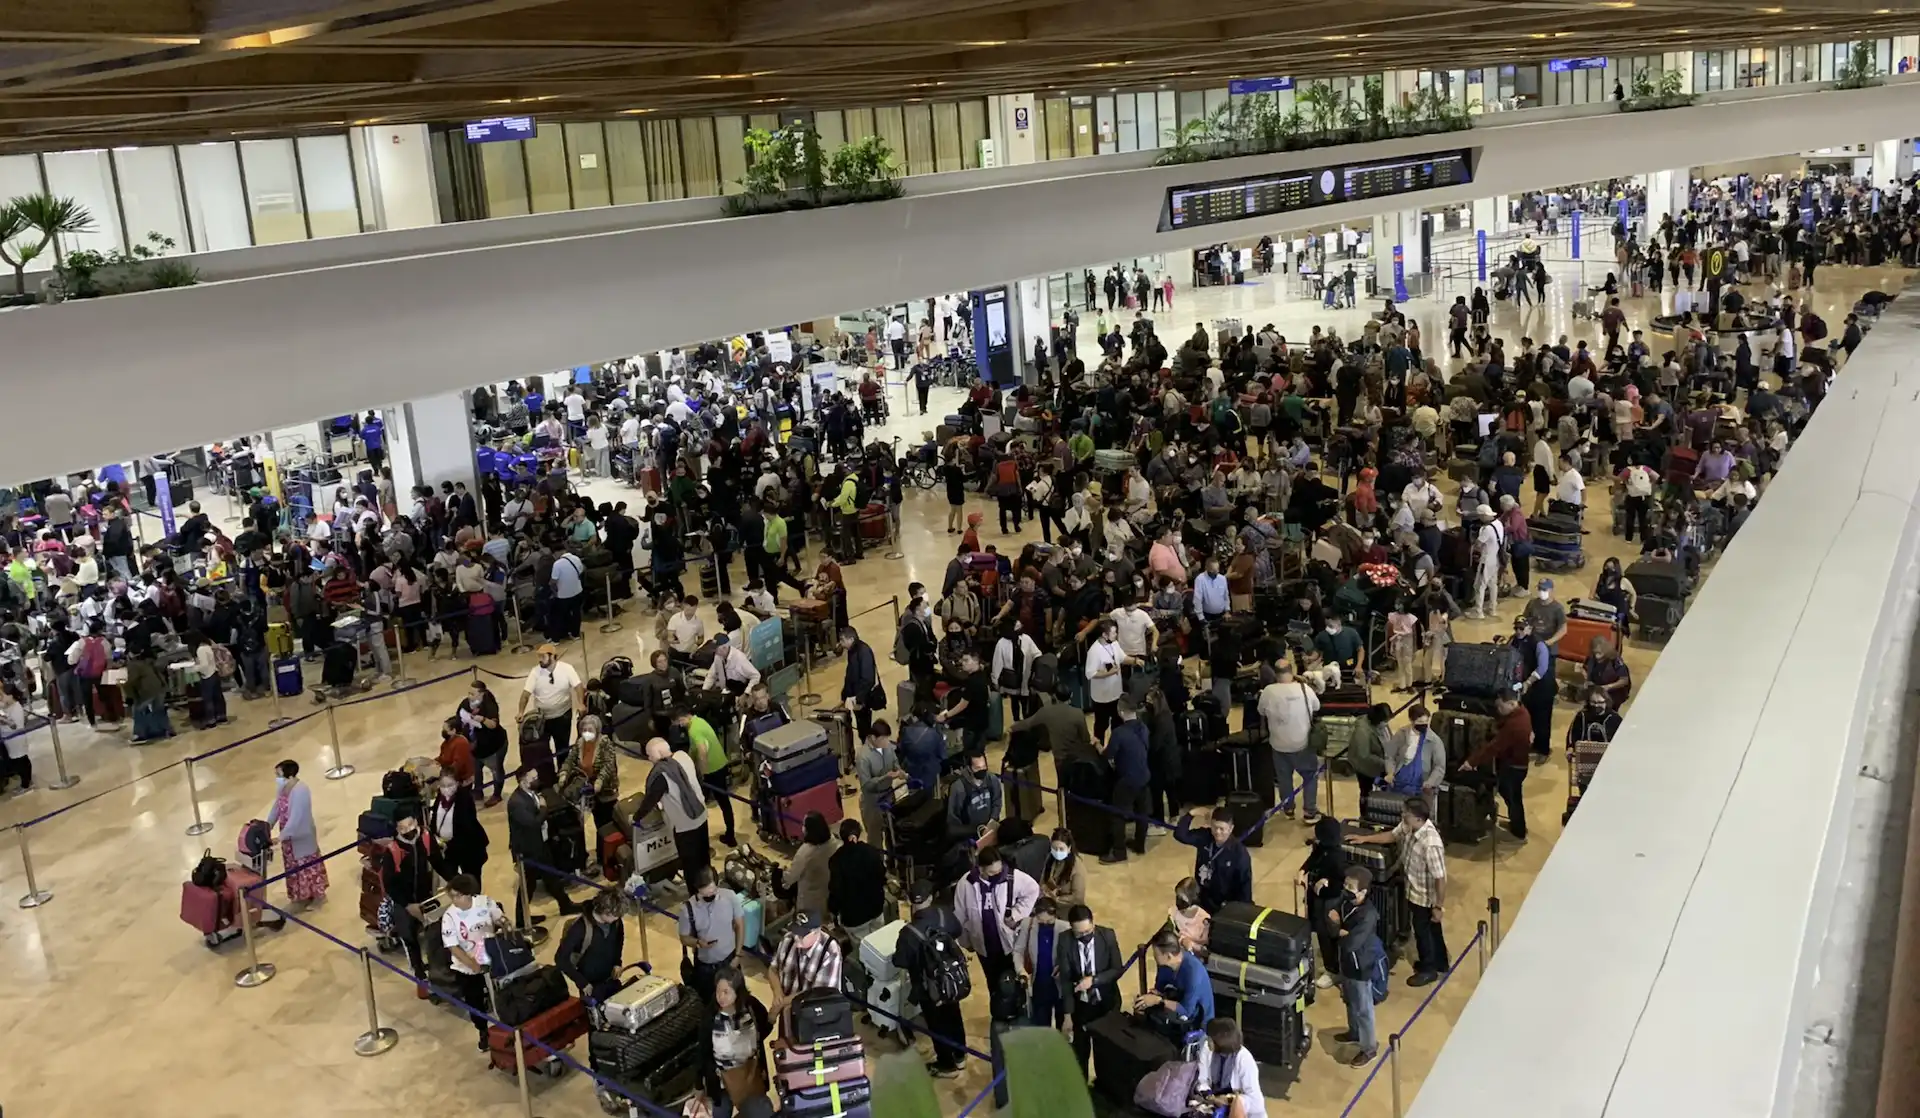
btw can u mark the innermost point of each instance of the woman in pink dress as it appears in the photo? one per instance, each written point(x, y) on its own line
point(1166, 287)
point(292, 816)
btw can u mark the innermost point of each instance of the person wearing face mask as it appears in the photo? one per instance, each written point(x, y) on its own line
point(1538, 687)
point(292, 816)
point(555, 691)
point(592, 776)
point(459, 841)
point(1362, 963)
point(456, 753)
point(1035, 950)
point(1343, 646)
point(712, 925)
point(527, 842)
point(1597, 720)
point(1188, 919)
point(1064, 880)
point(469, 921)
point(857, 884)
point(593, 948)
point(1417, 759)
point(974, 800)
point(407, 879)
point(1088, 966)
point(479, 718)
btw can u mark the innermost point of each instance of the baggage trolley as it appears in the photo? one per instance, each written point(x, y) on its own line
point(1583, 760)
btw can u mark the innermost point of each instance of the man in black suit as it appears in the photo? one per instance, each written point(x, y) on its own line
point(527, 842)
point(1089, 964)
point(862, 683)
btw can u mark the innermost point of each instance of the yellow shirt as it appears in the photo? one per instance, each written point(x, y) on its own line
point(849, 495)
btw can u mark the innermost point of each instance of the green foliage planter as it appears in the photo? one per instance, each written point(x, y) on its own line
point(1043, 1081)
point(86, 274)
point(1862, 69)
point(790, 171)
point(1663, 92)
point(28, 226)
point(1320, 117)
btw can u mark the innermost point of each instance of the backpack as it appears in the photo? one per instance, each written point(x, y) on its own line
point(256, 838)
point(210, 873)
point(1164, 1090)
point(901, 654)
point(223, 661)
point(533, 730)
point(944, 977)
point(93, 658)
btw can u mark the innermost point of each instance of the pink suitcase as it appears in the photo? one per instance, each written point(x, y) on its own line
point(836, 1062)
point(792, 810)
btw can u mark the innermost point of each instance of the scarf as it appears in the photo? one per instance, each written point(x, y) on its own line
point(691, 801)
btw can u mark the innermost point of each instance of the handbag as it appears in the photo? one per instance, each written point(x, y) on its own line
point(210, 872)
point(748, 1081)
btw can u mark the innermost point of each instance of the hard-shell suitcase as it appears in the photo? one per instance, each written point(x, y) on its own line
point(287, 677)
point(1658, 616)
point(1657, 578)
point(790, 746)
point(1249, 804)
point(1461, 733)
point(1581, 633)
point(820, 768)
point(1255, 934)
point(1020, 788)
point(557, 1028)
point(109, 704)
point(1348, 698)
point(1276, 1036)
point(820, 1064)
point(790, 812)
point(1382, 807)
point(567, 839)
point(1125, 1050)
point(279, 639)
point(482, 638)
point(635, 1005)
point(1268, 984)
point(1466, 809)
point(1481, 669)
point(818, 1016)
point(836, 1099)
point(639, 1055)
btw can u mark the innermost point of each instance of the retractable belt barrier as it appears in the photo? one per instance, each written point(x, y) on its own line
point(1389, 1057)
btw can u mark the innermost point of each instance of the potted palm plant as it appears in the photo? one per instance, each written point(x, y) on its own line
point(28, 225)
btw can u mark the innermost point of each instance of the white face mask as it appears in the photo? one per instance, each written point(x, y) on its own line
point(1545, 595)
point(588, 735)
point(447, 791)
point(279, 782)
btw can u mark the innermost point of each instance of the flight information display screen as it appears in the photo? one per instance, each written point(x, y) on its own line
point(1288, 191)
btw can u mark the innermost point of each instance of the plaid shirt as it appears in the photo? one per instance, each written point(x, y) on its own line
point(1423, 862)
point(805, 968)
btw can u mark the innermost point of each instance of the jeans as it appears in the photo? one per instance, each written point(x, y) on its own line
point(213, 701)
point(1358, 993)
point(497, 765)
point(1046, 1009)
point(256, 673)
point(1636, 512)
point(717, 785)
point(1429, 941)
point(566, 617)
point(949, 1032)
point(150, 721)
point(1304, 764)
point(73, 695)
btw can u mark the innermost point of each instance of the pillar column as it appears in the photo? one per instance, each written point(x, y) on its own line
point(399, 171)
point(431, 441)
point(1413, 248)
point(1502, 208)
point(1030, 318)
point(1666, 194)
point(1010, 123)
point(1484, 212)
point(1892, 163)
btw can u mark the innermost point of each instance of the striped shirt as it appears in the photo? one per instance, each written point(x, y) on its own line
point(1423, 862)
point(805, 968)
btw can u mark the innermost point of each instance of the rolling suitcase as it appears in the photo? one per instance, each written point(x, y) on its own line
point(1659, 616)
point(1263, 936)
point(820, 1064)
point(482, 638)
point(639, 1002)
point(1657, 578)
point(109, 704)
point(838, 1100)
point(1125, 1051)
point(1021, 790)
point(819, 768)
point(1483, 670)
point(1249, 805)
point(1466, 808)
point(1581, 633)
point(1382, 807)
point(646, 1053)
point(1275, 1035)
point(1087, 818)
point(287, 677)
point(279, 640)
point(567, 839)
point(557, 1028)
point(790, 812)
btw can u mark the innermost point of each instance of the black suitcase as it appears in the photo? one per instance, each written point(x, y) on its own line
point(1276, 1035)
point(1249, 803)
point(656, 1049)
point(1191, 726)
point(339, 664)
point(482, 638)
point(1348, 698)
point(819, 1015)
point(1202, 776)
point(1481, 705)
point(1265, 936)
point(1654, 578)
point(1092, 827)
point(1658, 616)
point(1466, 809)
point(1484, 670)
point(1125, 1050)
point(529, 995)
point(1021, 790)
point(567, 839)
point(1382, 807)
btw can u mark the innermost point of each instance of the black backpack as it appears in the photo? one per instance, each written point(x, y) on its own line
point(398, 785)
point(944, 977)
point(210, 873)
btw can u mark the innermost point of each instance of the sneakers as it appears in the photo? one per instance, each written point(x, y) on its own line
point(1361, 1059)
point(1113, 858)
point(1310, 818)
point(944, 1071)
point(1325, 982)
point(1424, 978)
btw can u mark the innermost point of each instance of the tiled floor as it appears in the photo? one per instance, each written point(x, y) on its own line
point(111, 1005)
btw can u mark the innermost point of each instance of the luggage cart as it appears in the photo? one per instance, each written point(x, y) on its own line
point(1583, 760)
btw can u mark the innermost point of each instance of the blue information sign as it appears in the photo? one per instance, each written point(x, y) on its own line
point(1576, 234)
point(1399, 274)
point(1569, 65)
point(1480, 239)
point(765, 645)
point(1260, 85)
point(500, 128)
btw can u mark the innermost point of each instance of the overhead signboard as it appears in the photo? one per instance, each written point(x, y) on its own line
point(1260, 85)
point(500, 128)
point(1288, 191)
point(1569, 65)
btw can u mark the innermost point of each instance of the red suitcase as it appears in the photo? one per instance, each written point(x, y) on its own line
point(1681, 462)
point(108, 704)
point(792, 810)
point(212, 912)
point(556, 1028)
point(873, 522)
point(1579, 639)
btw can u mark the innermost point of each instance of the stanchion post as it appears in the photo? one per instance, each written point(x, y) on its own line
point(586, 655)
point(255, 973)
point(273, 685)
point(1143, 974)
point(340, 770)
point(520, 1066)
point(646, 948)
point(376, 1039)
point(519, 627)
point(895, 603)
point(400, 679)
point(1393, 1070)
point(610, 625)
point(810, 697)
point(1480, 948)
point(200, 826)
point(35, 896)
point(1493, 924)
point(66, 779)
point(536, 933)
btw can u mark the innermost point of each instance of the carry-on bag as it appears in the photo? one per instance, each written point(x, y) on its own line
point(836, 1099)
point(1125, 1051)
point(1482, 669)
point(819, 1015)
point(557, 1028)
point(1466, 808)
point(287, 677)
point(640, 1001)
point(789, 813)
point(1657, 578)
point(530, 995)
point(1249, 805)
point(819, 1065)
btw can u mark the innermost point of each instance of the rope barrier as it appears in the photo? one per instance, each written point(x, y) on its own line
point(120, 787)
point(199, 757)
point(1389, 1053)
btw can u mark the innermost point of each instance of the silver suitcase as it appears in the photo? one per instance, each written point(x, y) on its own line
point(796, 743)
point(631, 1007)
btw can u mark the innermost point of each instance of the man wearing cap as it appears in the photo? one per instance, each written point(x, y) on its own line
point(1488, 542)
point(807, 959)
point(732, 668)
point(554, 691)
point(931, 931)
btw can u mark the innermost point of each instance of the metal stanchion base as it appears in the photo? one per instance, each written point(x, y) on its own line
point(276, 723)
point(401, 683)
point(809, 700)
point(64, 783)
point(199, 828)
point(611, 626)
point(375, 1042)
point(36, 899)
point(258, 974)
point(521, 646)
point(340, 773)
point(536, 934)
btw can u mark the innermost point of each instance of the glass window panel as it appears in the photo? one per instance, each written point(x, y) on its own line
point(326, 181)
point(730, 138)
point(626, 161)
point(768, 121)
point(150, 196)
point(859, 125)
point(973, 129)
point(917, 120)
point(664, 176)
point(505, 172)
point(547, 170)
point(86, 177)
point(1126, 126)
point(890, 125)
point(215, 203)
point(587, 163)
point(947, 154)
point(273, 191)
point(1059, 128)
point(832, 126)
point(19, 174)
point(699, 156)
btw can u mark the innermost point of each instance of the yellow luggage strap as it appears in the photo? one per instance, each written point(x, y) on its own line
point(833, 1092)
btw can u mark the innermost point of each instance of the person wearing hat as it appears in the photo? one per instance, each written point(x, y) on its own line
point(732, 668)
point(1416, 761)
point(807, 959)
point(928, 945)
point(554, 691)
point(1519, 540)
point(1489, 544)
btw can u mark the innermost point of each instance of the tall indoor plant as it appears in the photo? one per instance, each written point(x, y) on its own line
point(29, 223)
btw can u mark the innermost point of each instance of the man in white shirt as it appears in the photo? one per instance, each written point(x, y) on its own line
point(1488, 540)
point(679, 412)
point(1579, 387)
point(1572, 487)
point(1286, 709)
point(1639, 482)
point(554, 691)
point(897, 341)
point(630, 432)
point(1138, 636)
point(732, 667)
point(1105, 659)
point(576, 405)
point(685, 631)
point(465, 926)
point(1422, 498)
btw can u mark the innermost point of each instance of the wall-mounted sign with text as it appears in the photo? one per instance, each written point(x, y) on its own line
point(500, 128)
point(1260, 85)
point(1569, 65)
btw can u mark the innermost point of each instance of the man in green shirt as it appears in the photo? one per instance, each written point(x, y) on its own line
point(1295, 405)
point(846, 518)
point(1081, 445)
point(710, 761)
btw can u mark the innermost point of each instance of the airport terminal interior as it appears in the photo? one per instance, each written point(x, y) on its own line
point(1267, 442)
